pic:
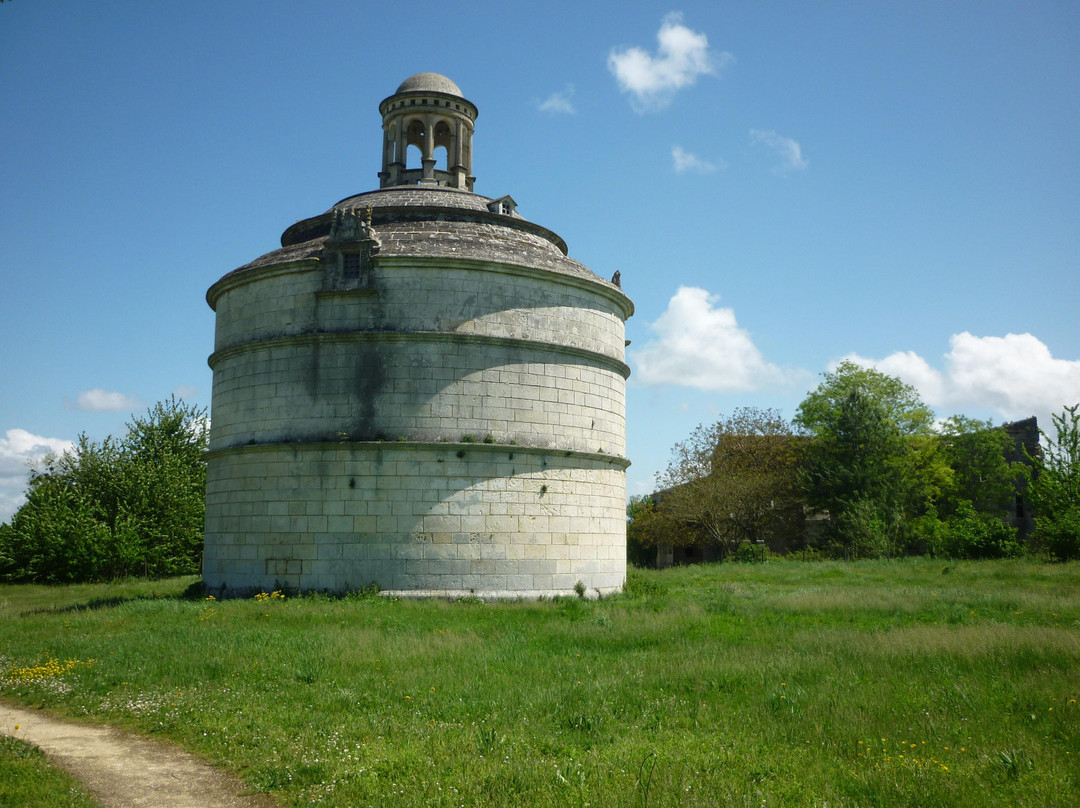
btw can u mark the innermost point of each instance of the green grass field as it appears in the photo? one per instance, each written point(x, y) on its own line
point(904, 683)
point(28, 781)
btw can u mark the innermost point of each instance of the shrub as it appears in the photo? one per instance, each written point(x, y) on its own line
point(971, 534)
point(862, 531)
point(1060, 534)
point(751, 554)
point(640, 584)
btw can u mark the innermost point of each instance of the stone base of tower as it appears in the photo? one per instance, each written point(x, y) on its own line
point(453, 519)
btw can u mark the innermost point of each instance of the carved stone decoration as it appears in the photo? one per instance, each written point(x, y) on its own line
point(349, 227)
point(349, 248)
point(369, 236)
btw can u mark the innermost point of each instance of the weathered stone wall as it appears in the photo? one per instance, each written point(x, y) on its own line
point(426, 352)
point(349, 428)
point(417, 389)
point(1025, 436)
point(401, 295)
point(457, 519)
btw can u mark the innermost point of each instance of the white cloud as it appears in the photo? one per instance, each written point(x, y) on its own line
point(559, 103)
point(910, 368)
point(187, 392)
point(700, 345)
point(17, 450)
point(1013, 376)
point(789, 151)
point(20, 446)
point(10, 501)
point(681, 57)
point(99, 400)
point(685, 161)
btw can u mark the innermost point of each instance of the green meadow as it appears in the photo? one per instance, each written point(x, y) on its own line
point(902, 683)
point(28, 781)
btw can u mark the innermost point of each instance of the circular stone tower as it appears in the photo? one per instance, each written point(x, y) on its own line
point(419, 389)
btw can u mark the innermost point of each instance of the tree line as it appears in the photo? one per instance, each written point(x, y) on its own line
point(115, 508)
point(863, 471)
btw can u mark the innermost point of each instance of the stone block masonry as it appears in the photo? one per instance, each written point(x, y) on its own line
point(481, 520)
point(434, 352)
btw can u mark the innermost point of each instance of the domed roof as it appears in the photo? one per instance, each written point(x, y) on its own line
point(429, 82)
point(434, 223)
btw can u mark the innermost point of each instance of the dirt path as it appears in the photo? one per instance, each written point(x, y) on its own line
point(123, 770)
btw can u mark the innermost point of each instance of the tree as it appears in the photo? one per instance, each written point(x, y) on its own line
point(733, 481)
point(1054, 486)
point(870, 462)
point(973, 498)
point(647, 527)
point(977, 455)
point(115, 508)
point(167, 485)
point(56, 536)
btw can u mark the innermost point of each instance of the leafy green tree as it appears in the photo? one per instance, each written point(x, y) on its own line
point(733, 481)
point(1054, 486)
point(166, 487)
point(53, 537)
point(645, 529)
point(973, 492)
point(977, 455)
point(870, 462)
point(115, 508)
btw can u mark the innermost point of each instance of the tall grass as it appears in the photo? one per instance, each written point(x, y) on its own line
point(783, 684)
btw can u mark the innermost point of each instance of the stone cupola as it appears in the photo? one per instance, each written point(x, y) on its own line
point(429, 112)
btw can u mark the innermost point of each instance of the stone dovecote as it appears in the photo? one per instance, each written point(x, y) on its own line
point(419, 389)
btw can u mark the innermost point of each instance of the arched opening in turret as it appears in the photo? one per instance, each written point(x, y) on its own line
point(413, 157)
point(443, 139)
point(415, 136)
point(442, 158)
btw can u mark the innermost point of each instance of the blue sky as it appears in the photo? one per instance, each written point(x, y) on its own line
point(781, 185)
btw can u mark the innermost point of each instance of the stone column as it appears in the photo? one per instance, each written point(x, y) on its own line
point(428, 159)
point(401, 151)
point(456, 168)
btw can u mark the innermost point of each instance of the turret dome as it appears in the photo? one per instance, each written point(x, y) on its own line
point(429, 83)
point(428, 114)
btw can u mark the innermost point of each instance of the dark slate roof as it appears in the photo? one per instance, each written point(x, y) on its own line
point(413, 221)
point(417, 195)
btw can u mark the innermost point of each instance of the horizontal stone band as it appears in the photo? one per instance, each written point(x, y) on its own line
point(449, 337)
point(411, 445)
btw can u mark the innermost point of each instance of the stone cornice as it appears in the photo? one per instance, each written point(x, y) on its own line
point(319, 225)
point(452, 448)
point(240, 277)
point(353, 337)
point(609, 292)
